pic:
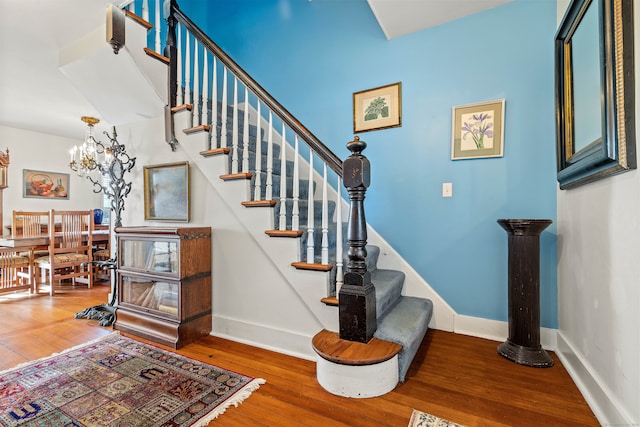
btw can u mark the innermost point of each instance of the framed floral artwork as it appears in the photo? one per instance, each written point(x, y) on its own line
point(478, 130)
point(377, 108)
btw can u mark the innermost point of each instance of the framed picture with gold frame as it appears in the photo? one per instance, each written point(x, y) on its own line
point(478, 130)
point(377, 108)
point(166, 192)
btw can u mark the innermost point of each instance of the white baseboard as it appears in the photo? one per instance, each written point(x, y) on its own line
point(602, 402)
point(496, 330)
point(261, 336)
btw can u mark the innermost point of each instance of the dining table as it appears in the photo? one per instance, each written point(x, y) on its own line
point(98, 237)
point(30, 244)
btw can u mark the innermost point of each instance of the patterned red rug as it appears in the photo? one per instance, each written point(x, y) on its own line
point(119, 381)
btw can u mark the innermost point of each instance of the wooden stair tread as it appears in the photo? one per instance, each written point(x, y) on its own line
point(156, 55)
point(138, 19)
point(332, 301)
point(259, 203)
point(232, 176)
point(196, 129)
point(330, 347)
point(215, 152)
point(315, 267)
point(182, 107)
point(284, 233)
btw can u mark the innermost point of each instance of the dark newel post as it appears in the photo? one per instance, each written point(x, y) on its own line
point(357, 298)
point(523, 345)
point(171, 52)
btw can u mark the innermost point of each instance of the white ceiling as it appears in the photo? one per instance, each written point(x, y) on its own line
point(35, 95)
point(400, 17)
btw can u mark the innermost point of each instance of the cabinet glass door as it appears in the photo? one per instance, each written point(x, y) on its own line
point(150, 294)
point(154, 256)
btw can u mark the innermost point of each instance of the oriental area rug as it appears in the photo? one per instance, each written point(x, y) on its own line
point(422, 419)
point(117, 381)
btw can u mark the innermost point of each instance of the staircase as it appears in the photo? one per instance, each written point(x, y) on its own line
point(275, 191)
point(401, 319)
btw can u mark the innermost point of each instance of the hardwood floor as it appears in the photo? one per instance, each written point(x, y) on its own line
point(456, 377)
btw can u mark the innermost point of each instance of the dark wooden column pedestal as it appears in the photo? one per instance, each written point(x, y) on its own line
point(523, 345)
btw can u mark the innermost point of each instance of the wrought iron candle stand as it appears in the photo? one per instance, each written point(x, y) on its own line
point(115, 168)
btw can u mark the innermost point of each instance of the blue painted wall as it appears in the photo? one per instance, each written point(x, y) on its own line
point(312, 55)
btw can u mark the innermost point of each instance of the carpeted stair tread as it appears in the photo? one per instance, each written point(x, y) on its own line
point(406, 324)
point(388, 284)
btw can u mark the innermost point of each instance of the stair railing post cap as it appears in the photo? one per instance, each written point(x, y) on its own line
point(356, 170)
point(356, 146)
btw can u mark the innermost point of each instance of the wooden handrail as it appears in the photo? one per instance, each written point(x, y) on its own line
point(312, 141)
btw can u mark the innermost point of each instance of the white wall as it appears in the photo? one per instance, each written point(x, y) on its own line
point(38, 151)
point(598, 287)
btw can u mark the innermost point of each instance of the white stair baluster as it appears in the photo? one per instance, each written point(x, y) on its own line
point(283, 181)
point(196, 84)
point(145, 10)
point(269, 184)
point(324, 252)
point(224, 110)
point(156, 26)
point(245, 133)
point(310, 213)
point(258, 168)
point(339, 271)
point(205, 88)
point(234, 131)
point(187, 71)
point(295, 191)
point(214, 105)
point(180, 97)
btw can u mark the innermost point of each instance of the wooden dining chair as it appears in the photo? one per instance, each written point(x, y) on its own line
point(30, 224)
point(70, 249)
point(14, 271)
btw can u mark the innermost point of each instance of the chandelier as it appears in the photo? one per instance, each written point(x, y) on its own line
point(112, 161)
point(91, 153)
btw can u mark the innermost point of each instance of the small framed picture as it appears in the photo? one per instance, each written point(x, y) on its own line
point(377, 108)
point(166, 192)
point(45, 185)
point(478, 130)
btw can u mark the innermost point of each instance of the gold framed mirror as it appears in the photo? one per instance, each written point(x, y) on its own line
point(595, 111)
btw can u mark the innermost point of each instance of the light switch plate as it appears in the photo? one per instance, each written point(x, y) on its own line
point(447, 189)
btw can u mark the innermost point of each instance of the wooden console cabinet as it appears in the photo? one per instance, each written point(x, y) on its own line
point(164, 283)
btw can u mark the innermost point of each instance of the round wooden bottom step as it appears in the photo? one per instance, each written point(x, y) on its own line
point(353, 369)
